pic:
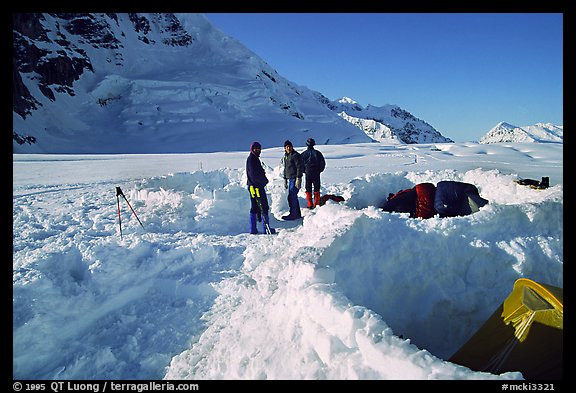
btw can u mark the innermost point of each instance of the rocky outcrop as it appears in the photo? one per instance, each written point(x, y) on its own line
point(55, 70)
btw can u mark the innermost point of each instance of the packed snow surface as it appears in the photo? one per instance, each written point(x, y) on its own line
point(349, 292)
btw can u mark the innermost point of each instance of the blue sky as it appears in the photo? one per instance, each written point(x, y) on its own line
point(462, 73)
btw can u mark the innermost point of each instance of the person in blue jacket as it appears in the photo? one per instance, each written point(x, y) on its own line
point(257, 181)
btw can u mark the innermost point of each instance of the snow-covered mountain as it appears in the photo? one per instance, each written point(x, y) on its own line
point(388, 123)
point(540, 132)
point(158, 82)
point(167, 83)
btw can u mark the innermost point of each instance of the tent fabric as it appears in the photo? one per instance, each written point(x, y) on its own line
point(455, 198)
point(524, 334)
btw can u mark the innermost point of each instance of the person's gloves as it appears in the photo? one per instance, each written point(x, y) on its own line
point(298, 182)
point(285, 183)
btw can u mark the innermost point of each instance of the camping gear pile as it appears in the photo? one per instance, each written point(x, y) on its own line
point(535, 184)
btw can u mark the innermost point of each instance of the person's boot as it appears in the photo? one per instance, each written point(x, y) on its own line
point(266, 224)
point(316, 198)
point(294, 214)
point(309, 200)
point(253, 228)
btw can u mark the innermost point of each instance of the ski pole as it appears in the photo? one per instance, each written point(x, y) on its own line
point(119, 219)
point(119, 192)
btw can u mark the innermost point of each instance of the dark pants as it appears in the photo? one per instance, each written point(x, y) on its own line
point(293, 198)
point(312, 180)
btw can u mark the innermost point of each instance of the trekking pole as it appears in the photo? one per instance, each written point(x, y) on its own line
point(119, 192)
point(255, 193)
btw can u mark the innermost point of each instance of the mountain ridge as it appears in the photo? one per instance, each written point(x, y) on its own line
point(156, 83)
point(388, 123)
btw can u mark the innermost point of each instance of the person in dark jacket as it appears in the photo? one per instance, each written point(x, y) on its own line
point(293, 171)
point(314, 164)
point(257, 181)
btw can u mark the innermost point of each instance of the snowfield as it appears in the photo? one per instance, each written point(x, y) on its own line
point(349, 292)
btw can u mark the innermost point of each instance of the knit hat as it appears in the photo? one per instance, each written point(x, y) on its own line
point(310, 142)
point(288, 143)
point(255, 145)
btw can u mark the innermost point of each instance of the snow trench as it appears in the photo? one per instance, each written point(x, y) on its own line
point(351, 292)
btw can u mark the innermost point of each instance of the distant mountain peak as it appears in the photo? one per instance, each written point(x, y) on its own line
point(347, 100)
point(503, 124)
point(540, 132)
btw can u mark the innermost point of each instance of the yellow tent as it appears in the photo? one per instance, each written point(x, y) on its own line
point(524, 334)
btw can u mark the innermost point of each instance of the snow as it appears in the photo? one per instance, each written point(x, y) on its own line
point(350, 292)
point(170, 99)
